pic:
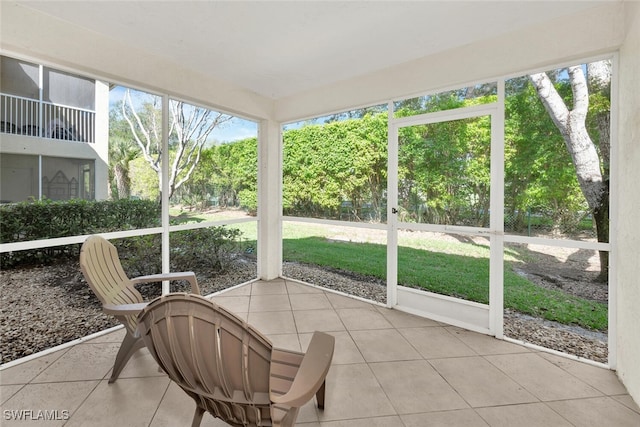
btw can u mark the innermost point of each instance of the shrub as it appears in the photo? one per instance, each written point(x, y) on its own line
point(206, 249)
point(249, 200)
point(47, 219)
point(140, 255)
point(212, 248)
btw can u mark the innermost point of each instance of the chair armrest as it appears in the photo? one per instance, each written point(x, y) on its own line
point(312, 372)
point(124, 309)
point(188, 276)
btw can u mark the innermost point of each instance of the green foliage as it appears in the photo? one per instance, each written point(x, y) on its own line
point(139, 123)
point(473, 95)
point(429, 104)
point(37, 220)
point(140, 255)
point(145, 180)
point(237, 171)
point(248, 199)
point(341, 166)
point(539, 173)
point(444, 168)
point(326, 165)
point(226, 176)
point(444, 171)
point(122, 151)
point(211, 248)
point(206, 250)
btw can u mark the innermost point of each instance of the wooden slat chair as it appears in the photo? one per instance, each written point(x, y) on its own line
point(103, 272)
point(229, 368)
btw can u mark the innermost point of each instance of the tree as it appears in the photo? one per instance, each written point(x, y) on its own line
point(235, 176)
point(539, 174)
point(444, 172)
point(122, 151)
point(189, 128)
point(572, 124)
point(326, 166)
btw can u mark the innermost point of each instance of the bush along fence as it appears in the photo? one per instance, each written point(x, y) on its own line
point(211, 248)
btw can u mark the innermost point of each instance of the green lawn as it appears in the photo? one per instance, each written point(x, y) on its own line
point(454, 268)
point(248, 229)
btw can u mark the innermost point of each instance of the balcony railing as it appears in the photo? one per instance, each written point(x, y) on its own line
point(25, 116)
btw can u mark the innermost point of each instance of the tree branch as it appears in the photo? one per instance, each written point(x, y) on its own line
point(552, 101)
point(145, 147)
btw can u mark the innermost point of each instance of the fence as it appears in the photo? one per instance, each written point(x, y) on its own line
point(25, 116)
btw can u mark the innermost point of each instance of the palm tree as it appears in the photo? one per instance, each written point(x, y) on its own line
point(121, 153)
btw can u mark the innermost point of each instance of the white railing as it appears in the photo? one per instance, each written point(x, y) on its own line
point(24, 116)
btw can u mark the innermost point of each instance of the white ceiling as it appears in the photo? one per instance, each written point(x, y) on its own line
point(278, 49)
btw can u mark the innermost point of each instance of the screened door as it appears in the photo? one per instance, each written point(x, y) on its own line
point(440, 220)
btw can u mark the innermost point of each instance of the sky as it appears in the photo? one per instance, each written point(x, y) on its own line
point(233, 130)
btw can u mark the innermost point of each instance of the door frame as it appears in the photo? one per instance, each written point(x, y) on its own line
point(478, 317)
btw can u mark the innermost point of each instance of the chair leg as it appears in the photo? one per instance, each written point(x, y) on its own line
point(197, 417)
point(320, 395)
point(129, 345)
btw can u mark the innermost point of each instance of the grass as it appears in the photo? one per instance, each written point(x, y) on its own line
point(249, 229)
point(455, 268)
point(364, 258)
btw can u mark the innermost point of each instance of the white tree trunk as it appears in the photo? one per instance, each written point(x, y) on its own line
point(571, 124)
point(599, 75)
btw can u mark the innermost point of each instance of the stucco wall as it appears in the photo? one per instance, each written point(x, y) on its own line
point(627, 248)
point(18, 177)
point(41, 38)
point(592, 32)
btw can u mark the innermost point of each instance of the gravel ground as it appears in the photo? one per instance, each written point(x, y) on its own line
point(42, 307)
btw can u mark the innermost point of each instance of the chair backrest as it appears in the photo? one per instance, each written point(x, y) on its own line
point(101, 268)
point(213, 355)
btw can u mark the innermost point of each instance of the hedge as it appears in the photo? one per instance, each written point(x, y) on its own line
point(210, 248)
point(47, 219)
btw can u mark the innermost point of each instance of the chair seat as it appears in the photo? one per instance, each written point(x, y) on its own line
point(228, 367)
point(101, 268)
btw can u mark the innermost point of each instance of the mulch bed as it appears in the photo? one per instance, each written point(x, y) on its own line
point(45, 306)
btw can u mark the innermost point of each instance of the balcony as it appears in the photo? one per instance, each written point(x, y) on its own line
point(390, 369)
point(25, 116)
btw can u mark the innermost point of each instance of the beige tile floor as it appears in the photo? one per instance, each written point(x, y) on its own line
point(390, 369)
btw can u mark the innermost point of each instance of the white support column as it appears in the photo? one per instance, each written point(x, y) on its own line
point(269, 200)
point(165, 191)
point(496, 256)
point(41, 121)
point(392, 205)
point(40, 177)
point(101, 141)
point(614, 204)
point(40, 125)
